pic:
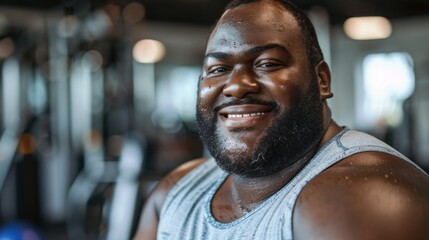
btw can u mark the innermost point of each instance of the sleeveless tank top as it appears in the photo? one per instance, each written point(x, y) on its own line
point(186, 213)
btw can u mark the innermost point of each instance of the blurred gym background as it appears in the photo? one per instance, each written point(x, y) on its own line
point(97, 99)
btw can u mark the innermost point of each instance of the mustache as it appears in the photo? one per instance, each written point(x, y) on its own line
point(235, 102)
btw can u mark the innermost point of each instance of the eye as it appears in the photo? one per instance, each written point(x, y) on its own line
point(216, 71)
point(268, 65)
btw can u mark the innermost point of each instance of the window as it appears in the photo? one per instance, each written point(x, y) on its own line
point(388, 79)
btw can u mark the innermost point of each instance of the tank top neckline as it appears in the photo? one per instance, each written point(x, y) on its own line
point(223, 175)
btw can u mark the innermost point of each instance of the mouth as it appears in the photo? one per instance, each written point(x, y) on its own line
point(244, 116)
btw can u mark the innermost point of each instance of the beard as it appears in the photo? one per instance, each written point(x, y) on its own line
point(291, 136)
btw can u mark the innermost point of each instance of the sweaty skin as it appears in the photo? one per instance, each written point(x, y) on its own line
point(256, 49)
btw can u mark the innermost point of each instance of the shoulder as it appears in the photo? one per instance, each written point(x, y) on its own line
point(162, 189)
point(369, 195)
point(150, 215)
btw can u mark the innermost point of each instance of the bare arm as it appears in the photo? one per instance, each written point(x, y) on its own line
point(150, 215)
point(368, 196)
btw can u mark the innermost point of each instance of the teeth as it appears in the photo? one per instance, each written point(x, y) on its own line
point(245, 115)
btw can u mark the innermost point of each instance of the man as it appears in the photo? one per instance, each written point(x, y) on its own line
point(281, 167)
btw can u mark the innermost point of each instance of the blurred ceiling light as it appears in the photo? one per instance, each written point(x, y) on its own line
point(133, 12)
point(367, 28)
point(113, 11)
point(6, 48)
point(68, 26)
point(94, 59)
point(148, 51)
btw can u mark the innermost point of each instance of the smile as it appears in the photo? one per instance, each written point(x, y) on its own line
point(244, 115)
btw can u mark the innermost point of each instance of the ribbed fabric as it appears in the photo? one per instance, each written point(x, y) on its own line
point(186, 214)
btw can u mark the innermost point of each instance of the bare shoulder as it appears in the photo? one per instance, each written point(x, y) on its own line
point(150, 215)
point(172, 178)
point(369, 195)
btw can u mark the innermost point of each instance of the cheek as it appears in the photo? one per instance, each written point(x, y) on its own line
point(205, 92)
point(291, 92)
point(208, 93)
point(285, 90)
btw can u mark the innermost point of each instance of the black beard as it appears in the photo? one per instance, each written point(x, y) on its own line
point(291, 137)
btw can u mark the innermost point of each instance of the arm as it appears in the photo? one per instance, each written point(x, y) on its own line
point(367, 196)
point(150, 215)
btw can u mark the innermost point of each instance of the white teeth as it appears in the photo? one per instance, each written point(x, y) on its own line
point(245, 115)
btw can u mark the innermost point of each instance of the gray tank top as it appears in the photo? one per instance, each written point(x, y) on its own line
point(186, 213)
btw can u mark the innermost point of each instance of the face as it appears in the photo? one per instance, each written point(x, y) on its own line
point(259, 108)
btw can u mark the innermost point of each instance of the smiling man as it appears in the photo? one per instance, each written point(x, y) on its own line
point(281, 167)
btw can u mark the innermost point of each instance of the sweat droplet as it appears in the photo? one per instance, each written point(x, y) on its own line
point(282, 86)
point(386, 176)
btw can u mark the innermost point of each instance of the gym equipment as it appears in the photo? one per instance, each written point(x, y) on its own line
point(103, 200)
point(126, 191)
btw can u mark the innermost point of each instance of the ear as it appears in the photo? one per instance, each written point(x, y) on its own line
point(324, 80)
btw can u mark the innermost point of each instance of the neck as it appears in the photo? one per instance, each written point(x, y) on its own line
point(249, 192)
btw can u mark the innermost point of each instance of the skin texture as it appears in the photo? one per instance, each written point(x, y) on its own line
point(366, 196)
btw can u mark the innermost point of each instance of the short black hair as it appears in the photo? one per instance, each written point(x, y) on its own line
point(313, 50)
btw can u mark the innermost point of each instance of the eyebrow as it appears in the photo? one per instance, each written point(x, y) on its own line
point(218, 55)
point(255, 50)
point(263, 48)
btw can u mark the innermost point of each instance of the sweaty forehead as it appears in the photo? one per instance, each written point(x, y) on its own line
point(254, 24)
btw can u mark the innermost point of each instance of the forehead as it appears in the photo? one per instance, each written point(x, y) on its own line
point(260, 23)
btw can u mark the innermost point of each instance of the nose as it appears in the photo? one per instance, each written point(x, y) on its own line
point(240, 83)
